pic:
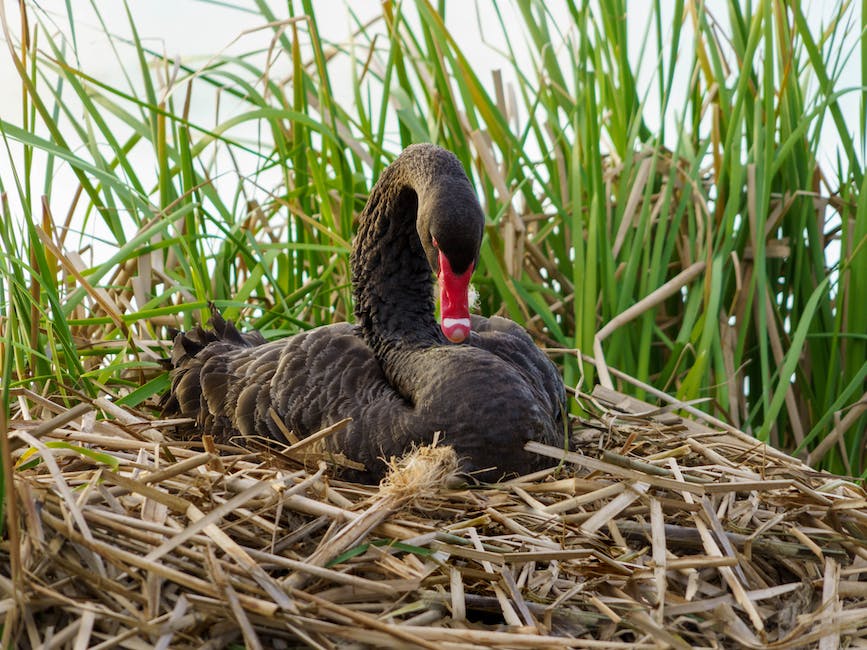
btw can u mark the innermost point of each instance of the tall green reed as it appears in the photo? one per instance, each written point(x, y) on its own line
point(700, 248)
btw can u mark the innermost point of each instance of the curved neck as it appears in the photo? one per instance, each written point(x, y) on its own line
point(422, 197)
point(392, 279)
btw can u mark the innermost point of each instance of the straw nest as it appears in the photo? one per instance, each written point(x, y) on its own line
point(652, 531)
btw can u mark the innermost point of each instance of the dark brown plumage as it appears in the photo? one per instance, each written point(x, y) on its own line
point(394, 373)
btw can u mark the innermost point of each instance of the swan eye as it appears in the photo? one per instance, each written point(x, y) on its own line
point(435, 259)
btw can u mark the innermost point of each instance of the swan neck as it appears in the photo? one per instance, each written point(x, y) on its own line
point(393, 281)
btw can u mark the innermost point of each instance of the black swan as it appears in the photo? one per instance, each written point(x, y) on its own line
point(487, 392)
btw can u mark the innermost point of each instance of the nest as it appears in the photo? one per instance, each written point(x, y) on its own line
point(652, 531)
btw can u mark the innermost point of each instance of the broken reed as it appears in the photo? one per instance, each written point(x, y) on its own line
point(592, 209)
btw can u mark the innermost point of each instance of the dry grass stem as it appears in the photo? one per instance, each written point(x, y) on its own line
point(673, 534)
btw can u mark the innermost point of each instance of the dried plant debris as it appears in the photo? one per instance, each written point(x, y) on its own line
point(651, 531)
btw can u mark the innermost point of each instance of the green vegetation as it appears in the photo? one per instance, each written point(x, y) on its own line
point(729, 203)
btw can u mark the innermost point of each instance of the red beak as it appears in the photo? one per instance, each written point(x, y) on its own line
point(454, 301)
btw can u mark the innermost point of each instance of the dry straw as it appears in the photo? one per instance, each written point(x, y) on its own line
point(652, 531)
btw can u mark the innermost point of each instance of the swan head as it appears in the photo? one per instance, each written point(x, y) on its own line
point(451, 226)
